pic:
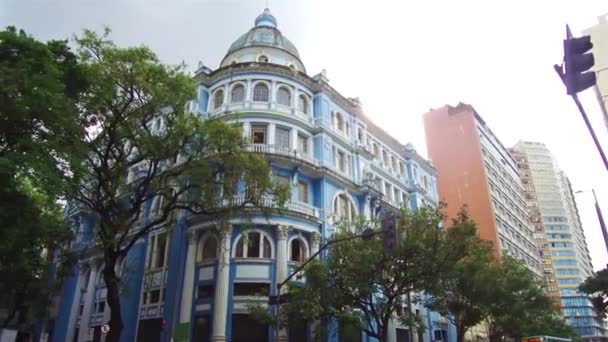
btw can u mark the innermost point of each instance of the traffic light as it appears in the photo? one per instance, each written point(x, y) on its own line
point(577, 61)
point(389, 230)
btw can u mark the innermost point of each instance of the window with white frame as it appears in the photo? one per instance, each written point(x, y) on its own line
point(282, 137)
point(284, 96)
point(303, 191)
point(376, 151)
point(389, 190)
point(298, 250)
point(237, 94)
point(253, 244)
point(401, 167)
point(157, 252)
point(339, 122)
point(360, 134)
point(208, 247)
point(303, 103)
point(218, 99)
point(258, 133)
point(339, 160)
point(344, 208)
point(158, 204)
point(394, 163)
point(385, 157)
point(397, 197)
point(303, 143)
point(260, 93)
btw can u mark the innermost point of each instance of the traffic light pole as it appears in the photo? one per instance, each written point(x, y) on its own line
point(560, 73)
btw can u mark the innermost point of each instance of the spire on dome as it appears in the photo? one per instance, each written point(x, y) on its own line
point(266, 19)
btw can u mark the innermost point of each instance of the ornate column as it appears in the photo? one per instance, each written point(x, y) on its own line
point(221, 288)
point(88, 302)
point(281, 267)
point(188, 285)
point(315, 241)
point(75, 303)
point(367, 207)
point(281, 256)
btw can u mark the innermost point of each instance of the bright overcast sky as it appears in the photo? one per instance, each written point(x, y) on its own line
point(400, 58)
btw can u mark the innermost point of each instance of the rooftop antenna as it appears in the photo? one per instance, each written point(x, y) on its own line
point(267, 4)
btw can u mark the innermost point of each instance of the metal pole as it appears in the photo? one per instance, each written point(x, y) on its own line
point(600, 217)
point(409, 308)
point(560, 73)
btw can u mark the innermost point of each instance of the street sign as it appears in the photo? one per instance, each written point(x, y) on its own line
point(105, 329)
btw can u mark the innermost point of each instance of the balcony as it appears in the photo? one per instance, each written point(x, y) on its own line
point(292, 206)
point(282, 151)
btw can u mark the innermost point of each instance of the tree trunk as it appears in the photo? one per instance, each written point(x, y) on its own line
point(22, 327)
point(460, 331)
point(113, 300)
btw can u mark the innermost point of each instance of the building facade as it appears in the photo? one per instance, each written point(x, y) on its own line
point(599, 38)
point(476, 170)
point(540, 236)
point(193, 284)
point(565, 237)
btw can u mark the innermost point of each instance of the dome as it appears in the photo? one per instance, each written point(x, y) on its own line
point(265, 35)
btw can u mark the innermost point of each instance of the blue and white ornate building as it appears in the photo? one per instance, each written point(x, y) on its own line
point(339, 164)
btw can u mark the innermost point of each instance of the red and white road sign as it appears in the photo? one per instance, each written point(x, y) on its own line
point(105, 328)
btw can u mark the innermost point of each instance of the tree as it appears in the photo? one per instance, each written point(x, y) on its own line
point(596, 286)
point(466, 289)
point(31, 229)
point(39, 127)
point(520, 308)
point(364, 286)
point(144, 146)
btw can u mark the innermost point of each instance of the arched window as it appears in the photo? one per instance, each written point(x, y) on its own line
point(298, 250)
point(253, 244)
point(260, 93)
point(340, 122)
point(284, 96)
point(344, 208)
point(238, 94)
point(263, 59)
point(209, 247)
point(303, 103)
point(218, 99)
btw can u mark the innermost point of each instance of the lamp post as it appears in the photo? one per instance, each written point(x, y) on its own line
point(600, 217)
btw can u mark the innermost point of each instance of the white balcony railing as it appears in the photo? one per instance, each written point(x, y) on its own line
point(295, 206)
point(283, 151)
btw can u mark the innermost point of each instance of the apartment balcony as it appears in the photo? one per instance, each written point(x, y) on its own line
point(273, 108)
point(282, 151)
point(291, 206)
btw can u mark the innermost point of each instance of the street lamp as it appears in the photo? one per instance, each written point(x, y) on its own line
point(600, 217)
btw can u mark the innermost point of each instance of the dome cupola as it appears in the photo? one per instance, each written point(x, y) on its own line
point(264, 43)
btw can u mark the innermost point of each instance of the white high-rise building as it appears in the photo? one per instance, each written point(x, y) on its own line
point(565, 238)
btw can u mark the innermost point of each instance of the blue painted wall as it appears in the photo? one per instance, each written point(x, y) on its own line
point(130, 296)
point(69, 291)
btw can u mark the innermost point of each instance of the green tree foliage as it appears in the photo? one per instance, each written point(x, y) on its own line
point(144, 146)
point(465, 289)
point(596, 286)
point(520, 308)
point(40, 127)
point(31, 229)
point(503, 293)
point(362, 285)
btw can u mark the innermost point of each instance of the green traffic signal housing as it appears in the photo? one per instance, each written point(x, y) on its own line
point(577, 61)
